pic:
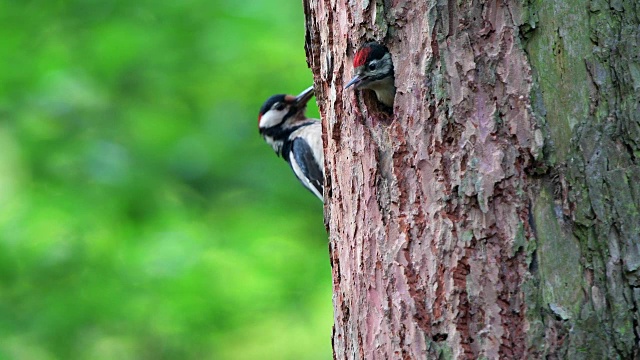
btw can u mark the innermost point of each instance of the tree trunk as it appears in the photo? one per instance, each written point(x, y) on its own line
point(495, 214)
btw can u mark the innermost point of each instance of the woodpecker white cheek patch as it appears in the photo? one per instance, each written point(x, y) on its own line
point(272, 118)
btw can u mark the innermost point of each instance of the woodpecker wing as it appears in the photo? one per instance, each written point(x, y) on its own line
point(306, 168)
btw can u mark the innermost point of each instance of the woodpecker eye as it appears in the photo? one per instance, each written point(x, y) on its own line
point(279, 106)
point(372, 65)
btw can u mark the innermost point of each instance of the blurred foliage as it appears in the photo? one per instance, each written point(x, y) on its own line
point(141, 214)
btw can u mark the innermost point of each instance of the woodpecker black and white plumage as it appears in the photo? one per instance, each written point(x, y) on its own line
point(373, 69)
point(294, 137)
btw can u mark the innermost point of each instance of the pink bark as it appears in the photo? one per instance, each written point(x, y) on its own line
point(430, 210)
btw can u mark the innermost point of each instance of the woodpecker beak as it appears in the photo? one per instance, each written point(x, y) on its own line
point(356, 79)
point(304, 97)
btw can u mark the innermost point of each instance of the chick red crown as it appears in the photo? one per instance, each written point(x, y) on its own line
point(361, 57)
point(369, 51)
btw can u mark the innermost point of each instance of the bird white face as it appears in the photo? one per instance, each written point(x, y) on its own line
point(274, 116)
point(277, 111)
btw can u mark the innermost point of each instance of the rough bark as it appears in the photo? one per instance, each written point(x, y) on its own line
point(494, 214)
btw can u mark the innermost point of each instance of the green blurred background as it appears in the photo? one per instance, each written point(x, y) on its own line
point(141, 214)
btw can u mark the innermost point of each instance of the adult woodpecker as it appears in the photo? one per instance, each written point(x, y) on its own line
point(294, 137)
point(374, 71)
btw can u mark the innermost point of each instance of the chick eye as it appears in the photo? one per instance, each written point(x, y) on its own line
point(279, 106)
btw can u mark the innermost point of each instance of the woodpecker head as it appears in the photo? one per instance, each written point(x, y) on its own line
point(373, 69)
point(280, 109)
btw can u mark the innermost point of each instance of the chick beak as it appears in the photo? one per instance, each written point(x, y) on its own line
point(356, 79)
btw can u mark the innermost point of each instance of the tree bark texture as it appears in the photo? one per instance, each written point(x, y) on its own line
point(495, 213)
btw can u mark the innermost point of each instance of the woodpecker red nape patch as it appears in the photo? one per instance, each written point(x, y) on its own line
point(361, 57)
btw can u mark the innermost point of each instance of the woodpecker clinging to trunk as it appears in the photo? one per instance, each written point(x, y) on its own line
point(294, 137)
point(373, 70)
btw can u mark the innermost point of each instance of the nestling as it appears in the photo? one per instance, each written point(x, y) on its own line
point(294, 137)
point(373, 70)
